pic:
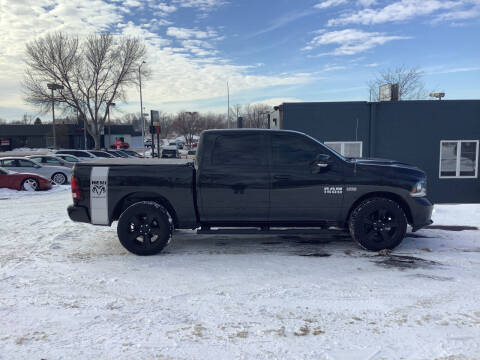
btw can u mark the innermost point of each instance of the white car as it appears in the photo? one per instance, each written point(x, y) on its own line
point(83, 155)
point(59, 174)
point(50, 160)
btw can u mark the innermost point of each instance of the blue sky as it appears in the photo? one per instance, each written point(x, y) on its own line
point(269, 51)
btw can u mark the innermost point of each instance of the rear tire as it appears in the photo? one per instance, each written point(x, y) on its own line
point(144, 228)
point(30, 184)
point(377, 224)
point(59, 178)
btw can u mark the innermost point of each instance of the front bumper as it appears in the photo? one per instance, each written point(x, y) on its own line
point(78, 214)
point(421, 209)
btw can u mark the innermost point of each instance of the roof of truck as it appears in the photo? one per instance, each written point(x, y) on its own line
point(135, 161)
point(251, 130)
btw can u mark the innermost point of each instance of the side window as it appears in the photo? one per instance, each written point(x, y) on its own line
point(458, 158)
point(26, 163)
point(52, 161)
point(71, 159)
point(9, 163)
point(288, 150)
point(37, 159)
point(81, 154)
point(239, 150)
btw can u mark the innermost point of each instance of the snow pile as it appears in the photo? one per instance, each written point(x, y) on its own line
point(9, 193)
point(70, 291)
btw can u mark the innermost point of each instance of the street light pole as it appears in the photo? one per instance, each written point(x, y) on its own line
point(110, 126)
point(52, 87)
point(141, 107)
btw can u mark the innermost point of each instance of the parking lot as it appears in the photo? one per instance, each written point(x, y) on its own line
point(70, 290)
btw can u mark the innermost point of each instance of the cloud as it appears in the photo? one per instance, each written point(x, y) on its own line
point(446, 69)
point(276, 101)
point(184, 33)
point(366, 3)
point(329, 3)
point(203, 5)
point(349, 41)
point(284, 20)
point(185, 64)
point(404, 10)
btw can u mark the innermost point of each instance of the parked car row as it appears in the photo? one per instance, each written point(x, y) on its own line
point(58, 174)
point(39, 172)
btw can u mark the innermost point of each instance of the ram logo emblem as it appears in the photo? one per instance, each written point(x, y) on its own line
point(98, 188)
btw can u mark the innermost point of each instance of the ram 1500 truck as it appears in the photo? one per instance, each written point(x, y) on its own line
point(247, 181)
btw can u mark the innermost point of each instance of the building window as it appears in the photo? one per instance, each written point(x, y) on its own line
point(346, 148)
point(458, 158)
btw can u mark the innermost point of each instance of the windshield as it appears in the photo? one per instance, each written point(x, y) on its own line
point(327, 148)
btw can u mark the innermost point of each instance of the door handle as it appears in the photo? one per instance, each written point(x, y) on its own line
point(281, 177)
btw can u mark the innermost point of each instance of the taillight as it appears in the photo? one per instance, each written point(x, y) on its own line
point(76, 192)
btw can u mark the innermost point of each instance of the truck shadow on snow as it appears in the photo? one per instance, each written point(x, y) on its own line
point(315, 246)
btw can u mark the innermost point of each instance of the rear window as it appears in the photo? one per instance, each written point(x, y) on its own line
point(169, 151)
point(75, 153)
point(239, 150)
point(192, 152)
point(70, 158)
point(102, 154)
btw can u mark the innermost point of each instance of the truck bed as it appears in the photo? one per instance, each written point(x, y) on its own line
point(109, 186)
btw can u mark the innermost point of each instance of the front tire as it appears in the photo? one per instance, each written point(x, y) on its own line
point(377, 224)
point(30, 184)
point(144, 228)
point(59, 178)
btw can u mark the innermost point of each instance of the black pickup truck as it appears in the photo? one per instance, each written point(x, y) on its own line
point(251, 181)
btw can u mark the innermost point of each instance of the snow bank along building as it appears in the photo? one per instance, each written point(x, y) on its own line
point(441, 137)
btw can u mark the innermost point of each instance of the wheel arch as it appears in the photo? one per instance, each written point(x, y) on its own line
point(135, 197)
point(383, 194)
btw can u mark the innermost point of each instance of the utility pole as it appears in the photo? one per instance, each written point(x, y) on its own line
point(228, 105)
point(141, 107)
point(52, 87)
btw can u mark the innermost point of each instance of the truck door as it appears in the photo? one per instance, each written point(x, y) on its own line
point(234, 179)
point(301, 191)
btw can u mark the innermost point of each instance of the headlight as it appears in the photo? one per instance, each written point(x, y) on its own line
point(420, 189)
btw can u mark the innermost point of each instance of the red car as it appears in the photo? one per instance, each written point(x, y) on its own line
point(23, 181)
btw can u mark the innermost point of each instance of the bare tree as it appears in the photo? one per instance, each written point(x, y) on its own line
point(256, 116)
point(186, 124)
point(166, 122)
point(94, 72)
point(212, 121)
point(409, 80)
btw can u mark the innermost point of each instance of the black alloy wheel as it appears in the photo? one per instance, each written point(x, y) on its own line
point(378, 224)
point(144, 228)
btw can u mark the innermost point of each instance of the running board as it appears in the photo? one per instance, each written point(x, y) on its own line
point(268, 231)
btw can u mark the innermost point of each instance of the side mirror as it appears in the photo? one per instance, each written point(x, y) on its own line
point(36, 166)
point(321, 162)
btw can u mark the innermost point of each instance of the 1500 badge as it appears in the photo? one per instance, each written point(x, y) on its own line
point(333, 190)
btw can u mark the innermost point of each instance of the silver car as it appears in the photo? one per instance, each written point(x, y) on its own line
point(49, 160)
point(59, 174)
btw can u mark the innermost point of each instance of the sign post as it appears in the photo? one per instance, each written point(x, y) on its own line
point(154, 123)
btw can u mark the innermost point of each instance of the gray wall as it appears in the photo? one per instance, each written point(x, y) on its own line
point(408, 131)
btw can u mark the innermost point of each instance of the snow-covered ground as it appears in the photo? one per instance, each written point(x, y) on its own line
point(70, 291)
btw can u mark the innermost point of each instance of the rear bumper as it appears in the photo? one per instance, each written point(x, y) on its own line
point(421, 209)
point(78, 214)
